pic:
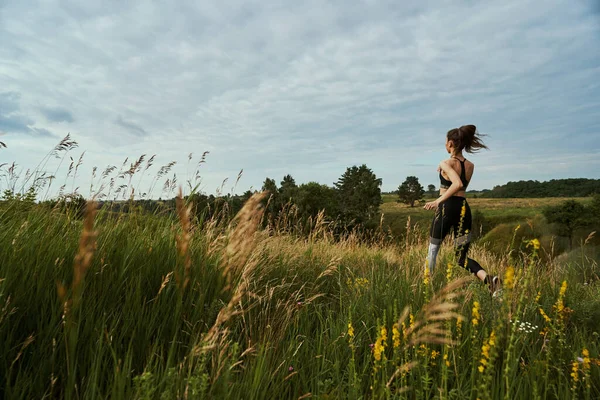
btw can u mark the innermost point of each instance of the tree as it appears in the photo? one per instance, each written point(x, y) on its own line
point(288, 188)
point(567, 217)
point(314, 198)
point(410, 191)
point(359, 195)
point(287, 183)
point(272, 199)
point(431, 190)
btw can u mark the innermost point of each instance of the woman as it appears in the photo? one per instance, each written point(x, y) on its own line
point(452, 212)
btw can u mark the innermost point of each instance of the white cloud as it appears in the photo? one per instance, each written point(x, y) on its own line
point(308, 88)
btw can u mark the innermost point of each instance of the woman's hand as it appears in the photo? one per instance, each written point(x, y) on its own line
point(432, 205)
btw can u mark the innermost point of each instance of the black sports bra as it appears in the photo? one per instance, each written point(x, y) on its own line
point(445, 183)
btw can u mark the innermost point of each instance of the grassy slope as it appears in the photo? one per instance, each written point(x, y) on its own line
point(136, 334)
point(496, 211)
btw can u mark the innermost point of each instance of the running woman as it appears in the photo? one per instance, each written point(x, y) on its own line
point(452, 212)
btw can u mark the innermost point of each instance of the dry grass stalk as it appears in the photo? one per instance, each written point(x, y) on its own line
point(425, 330)
point(183, 240)
point(331, 268)
point(590, 237)
point(404, 368)
point(237, 253)
point(87, 246)
point(407, 232)
point(25, 344)
point(241, 240)
point(164, 283)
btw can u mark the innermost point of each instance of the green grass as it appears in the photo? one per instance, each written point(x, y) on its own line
point(495, 212)
point(137, 333)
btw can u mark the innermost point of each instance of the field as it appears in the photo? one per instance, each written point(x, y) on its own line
point(497, 211)
point(142, 306)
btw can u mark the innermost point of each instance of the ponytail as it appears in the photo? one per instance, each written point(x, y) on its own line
point(467, 137)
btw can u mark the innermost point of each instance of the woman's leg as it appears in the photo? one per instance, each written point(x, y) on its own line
point(462, 242)
point(440, 227)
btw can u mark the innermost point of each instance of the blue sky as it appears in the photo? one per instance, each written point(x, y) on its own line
point(306, 88)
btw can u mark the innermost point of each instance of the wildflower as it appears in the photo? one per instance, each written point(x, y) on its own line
point(526, 327)
point(586, 360)
point(380, 344)
point(518, 227)
point(575, 373)
point(426, 277)
point(475, 313)
point(350, 330)
point(449, 272)
point(396, 336)
point(559, 306)
point(485, 352)
point(360, 283)
point(546, 317)
point(537, 298)
point(509, 278)
point(563, 289)
point(434, 354)
point(463, 210)
point(535, 243)
point(290, 368)
point(411, 320)
point(446, 360)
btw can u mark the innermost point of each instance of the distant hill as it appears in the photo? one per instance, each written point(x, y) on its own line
point(579, 187)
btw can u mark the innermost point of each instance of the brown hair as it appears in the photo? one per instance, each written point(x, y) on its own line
point(466, 137)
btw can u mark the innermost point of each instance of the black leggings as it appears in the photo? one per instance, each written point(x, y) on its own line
point(455, 214)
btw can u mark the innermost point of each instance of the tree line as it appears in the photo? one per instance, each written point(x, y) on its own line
point(577, 187)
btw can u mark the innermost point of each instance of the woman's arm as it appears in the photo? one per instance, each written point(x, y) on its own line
point(454, 188)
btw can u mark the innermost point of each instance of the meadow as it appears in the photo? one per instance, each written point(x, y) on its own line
point(144, 306)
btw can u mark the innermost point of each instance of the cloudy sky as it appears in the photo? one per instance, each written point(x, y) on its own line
point(306, 88)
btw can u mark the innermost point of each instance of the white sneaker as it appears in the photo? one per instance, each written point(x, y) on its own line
point(496, 288)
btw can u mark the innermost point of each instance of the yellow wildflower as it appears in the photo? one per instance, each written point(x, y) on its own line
point(535, 243)
point(434, 354)
point(546, 317)
point(485, 352)
point(463, 210)
point(449, 272)
point(396, 336)
point(350, 330)
point(475, 313)
point(446, 360)
point(426, 277)
point(586, 360)
point(563, 289)
point(537, 298)
point(412, 320)
point(518, 227)
point(575, 373)
point(380, 344)
point(559, 306)
point(509, 278)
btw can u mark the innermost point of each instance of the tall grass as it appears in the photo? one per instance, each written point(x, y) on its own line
point(143, 306)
